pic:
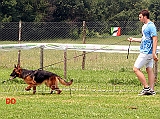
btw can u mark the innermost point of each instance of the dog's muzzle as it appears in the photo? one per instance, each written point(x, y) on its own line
point(12, 77)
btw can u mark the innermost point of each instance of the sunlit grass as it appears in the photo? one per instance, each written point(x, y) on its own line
point(82, 104)
point(107, 88)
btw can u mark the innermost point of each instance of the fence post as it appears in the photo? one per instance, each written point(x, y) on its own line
point(19, 40)
point(41, 57)
point(84, 41)
point(65, 63)
point(156, 70)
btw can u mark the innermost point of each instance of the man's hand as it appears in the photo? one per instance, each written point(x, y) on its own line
point(130, 39)
point(155, 57)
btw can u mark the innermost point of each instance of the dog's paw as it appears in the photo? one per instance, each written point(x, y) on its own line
point(59, 91)
point(27, 89)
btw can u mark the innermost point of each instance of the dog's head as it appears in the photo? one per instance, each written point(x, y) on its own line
point(16, 72)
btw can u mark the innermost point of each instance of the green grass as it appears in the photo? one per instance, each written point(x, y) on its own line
point(107, 88)
point(94, 94)
point(110, 40)
point(82, 104)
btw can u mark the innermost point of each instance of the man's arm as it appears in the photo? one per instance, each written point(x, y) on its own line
point(134, 39)
point(155, 41)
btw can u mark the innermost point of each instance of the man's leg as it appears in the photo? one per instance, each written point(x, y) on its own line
point(140, 76)
point(151, 77)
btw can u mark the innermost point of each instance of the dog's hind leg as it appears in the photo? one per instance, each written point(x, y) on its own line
point(53, 84)
point(56, 87)
point(34, 89)
point(52, 88)
point(58, 90)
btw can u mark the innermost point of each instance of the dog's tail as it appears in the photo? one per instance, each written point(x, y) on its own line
point(65, 82)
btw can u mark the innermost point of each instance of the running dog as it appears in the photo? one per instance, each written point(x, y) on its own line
point(37, 77)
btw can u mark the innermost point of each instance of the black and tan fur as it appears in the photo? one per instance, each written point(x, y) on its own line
point(37, 77)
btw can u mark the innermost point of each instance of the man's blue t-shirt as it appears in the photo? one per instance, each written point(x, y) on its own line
point(148, 31)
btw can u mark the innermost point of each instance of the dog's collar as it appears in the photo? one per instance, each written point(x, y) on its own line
point(31, 74)
point(27, 75)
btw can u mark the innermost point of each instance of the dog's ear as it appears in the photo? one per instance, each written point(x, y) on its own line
point(15, 66)
point(18, 66)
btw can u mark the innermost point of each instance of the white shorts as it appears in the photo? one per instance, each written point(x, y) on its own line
point(144, 60)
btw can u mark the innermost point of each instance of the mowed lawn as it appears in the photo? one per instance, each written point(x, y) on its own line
point(107, 88)
point(80, 104)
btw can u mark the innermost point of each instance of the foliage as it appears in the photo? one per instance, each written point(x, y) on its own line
point(154, 8)
point(26, 10)
point(77, 10)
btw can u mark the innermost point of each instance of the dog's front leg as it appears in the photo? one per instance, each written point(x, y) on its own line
point(28, 88)
point(34, 89)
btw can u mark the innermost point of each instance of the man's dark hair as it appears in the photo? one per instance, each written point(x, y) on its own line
point(145, 13)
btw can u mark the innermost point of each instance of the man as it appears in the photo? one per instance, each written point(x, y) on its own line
point(147, 54)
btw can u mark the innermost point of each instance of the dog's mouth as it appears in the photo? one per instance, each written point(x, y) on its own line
point(12, 77)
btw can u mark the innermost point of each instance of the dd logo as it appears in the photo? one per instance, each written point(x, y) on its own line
point(10, 100)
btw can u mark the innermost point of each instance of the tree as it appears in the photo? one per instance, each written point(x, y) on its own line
point(25, 10)
point(70, 10)
point(154, 8)
point(8, 10)
point(0, 11)
point(76, 10)
point(124, 10)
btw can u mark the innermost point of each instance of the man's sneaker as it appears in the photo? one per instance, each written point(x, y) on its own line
point(152, 92)
point(146, 91)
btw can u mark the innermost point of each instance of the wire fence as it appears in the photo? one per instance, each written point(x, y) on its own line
point(117, 70)
point(36, 31)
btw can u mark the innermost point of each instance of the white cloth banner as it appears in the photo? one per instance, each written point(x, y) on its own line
point(78, 47)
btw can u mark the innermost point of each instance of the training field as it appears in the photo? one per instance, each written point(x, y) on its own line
point(106, 89)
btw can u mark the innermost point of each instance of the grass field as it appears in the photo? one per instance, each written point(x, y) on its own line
point(106, 89)
point(86, 105)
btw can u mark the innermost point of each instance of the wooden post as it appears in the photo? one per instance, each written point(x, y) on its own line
point(156, 70)
point(19, 41)
point(84, 41)
point(65, 64)
point(41, 58)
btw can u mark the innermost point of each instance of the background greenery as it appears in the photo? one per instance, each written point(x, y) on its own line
point(77, 10)
point(107, 88)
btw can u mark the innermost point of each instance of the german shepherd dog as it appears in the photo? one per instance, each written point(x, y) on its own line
point(37, 77)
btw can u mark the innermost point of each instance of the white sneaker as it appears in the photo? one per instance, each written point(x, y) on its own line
point(146, 91)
